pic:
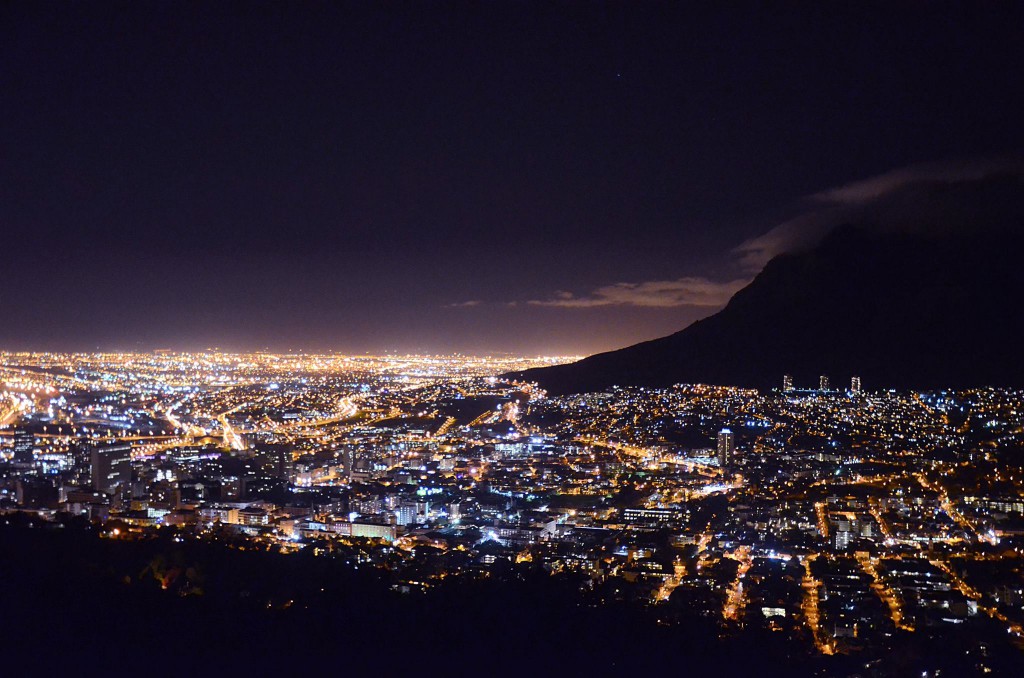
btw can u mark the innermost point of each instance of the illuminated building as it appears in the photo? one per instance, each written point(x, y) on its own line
point(275, 460)
point(406, 514)
point(111, 466)
point(652, 517)
point(823, 383)
point(787, 382)
point(374, 531)
point(855, 384)
point(24, 441)
point(846, 527)
point(726, 446)
point(253, 517)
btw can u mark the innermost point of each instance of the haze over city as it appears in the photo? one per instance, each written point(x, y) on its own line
point(527, 178)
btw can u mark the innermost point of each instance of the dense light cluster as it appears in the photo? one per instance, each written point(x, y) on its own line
point(843, 518)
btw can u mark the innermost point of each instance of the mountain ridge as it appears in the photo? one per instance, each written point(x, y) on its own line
point(898, 309)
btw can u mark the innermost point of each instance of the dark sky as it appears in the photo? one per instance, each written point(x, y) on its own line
point(410, 177)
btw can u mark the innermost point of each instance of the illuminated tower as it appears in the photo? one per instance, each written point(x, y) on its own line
point(855, 385)
point(823, 382)
point(787, 382)
point(111, 466)
point(726, 445)
point(24, 442)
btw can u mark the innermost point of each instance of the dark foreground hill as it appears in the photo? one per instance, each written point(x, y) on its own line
point(72, 599)
point(907, 310)
point(75, 602)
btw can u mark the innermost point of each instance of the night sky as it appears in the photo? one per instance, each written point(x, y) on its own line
point(437, 177)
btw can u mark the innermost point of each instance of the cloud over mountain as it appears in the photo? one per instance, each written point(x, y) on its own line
point(689, 291)
point(944, 197)
point(937, 198)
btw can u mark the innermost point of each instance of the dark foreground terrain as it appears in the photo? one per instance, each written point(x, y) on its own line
point(73, 601)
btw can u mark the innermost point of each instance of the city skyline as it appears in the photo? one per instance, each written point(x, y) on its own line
point(825, 528)
point(583, 338)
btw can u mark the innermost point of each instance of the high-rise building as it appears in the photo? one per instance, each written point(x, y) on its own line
point(276, 460)
point(787, 382)
point(726, 446)
point(855, 384)
point(24, 442)
point(847, 527)
point(111, 466)
point(406, 513)
point(823, 384)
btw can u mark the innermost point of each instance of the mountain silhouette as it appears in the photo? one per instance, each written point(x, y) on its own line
point(903, 309)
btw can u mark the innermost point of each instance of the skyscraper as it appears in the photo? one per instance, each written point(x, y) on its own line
point(726, 445)
point(111, 466)
point(275, 459)
point(823, 384)
point(855, 384)
point(787, 382)
point(24, 442)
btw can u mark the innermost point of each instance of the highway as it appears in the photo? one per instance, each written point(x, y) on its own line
point(231, 437)
point(643, 453)
point(10, 415)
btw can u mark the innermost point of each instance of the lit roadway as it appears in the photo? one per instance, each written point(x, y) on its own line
point(488, 417)
point(876, 513)
point(24, 398)
point(11, 414)
point(231, 436)
point(969, 591)
point(671, 582)
point(812, 615)
point(822, 517)
point(346, 409)
point(189, 429)
point(954, 515)
point(696, 467)
point(445, 427)
point(883, 591)
point(736, 598)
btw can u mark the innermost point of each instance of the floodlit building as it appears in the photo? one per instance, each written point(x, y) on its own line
point(726, 447)
point(24, 442)
point(111, 466)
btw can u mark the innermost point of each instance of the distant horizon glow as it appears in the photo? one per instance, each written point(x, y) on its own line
point(413, 179)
